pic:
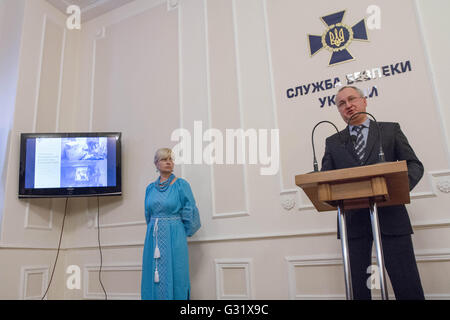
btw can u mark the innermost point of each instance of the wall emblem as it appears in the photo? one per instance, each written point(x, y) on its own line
point(337, 37)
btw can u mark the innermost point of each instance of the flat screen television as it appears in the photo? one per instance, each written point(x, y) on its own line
point(70, 164)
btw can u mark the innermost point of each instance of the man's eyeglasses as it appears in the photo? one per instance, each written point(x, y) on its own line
point(350, 100)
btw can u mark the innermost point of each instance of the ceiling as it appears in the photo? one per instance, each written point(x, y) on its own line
point(90, 9)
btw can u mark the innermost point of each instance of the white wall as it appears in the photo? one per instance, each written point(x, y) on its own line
point(145, 70)
point(43, 91)
point(11, 20)
point(432, 21)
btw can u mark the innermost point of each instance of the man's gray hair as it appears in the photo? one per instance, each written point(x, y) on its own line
point(361, 94)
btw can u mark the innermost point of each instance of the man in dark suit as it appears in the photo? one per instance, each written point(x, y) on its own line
point(344, 151)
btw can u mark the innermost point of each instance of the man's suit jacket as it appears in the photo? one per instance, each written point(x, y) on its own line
point(340, 153)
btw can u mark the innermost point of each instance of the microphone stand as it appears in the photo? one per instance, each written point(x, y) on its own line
point(315, 164)
point(373, 210)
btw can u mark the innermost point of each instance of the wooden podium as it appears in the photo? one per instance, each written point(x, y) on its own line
point(371, 186)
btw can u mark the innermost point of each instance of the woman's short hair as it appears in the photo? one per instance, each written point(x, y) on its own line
point(162, 154)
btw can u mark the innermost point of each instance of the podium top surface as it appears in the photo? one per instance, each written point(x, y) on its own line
point(355, 173)
point(354, 186)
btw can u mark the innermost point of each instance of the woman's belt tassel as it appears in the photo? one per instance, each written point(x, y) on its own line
point(157, 254)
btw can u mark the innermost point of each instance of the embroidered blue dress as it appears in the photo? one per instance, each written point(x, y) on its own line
point(171, 216)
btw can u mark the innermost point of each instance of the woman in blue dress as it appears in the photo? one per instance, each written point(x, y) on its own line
point(172, 216)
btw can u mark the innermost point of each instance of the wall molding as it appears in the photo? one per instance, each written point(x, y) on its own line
point(61, 76)
point(420, 225)
point(92, 221)
point(431, 224)
point(24, 273)
point(172, 4)
point(119, 224)
point(417, 226)
point(431, 74)
point(123, 267)
point(432, 255)
point(289, 198)
point(47, 18)
point(39, 71)
point(99, 32)
point(440, 181)
point(244, 212)
point(422, 256)
point(180, 75)
point(238, 263)
point(230, 214)
point(240, 100)
point(29, 226)
point(273, 91)
point(36, 103)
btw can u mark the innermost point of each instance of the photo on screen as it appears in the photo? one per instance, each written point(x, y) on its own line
point(84, 162)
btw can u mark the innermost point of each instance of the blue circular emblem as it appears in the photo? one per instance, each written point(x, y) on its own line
point(337, 37)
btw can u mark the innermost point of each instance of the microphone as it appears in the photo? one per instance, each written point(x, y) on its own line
point(381, 153)
point(315, 164)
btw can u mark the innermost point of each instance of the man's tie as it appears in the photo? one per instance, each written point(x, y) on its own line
point(359, 145)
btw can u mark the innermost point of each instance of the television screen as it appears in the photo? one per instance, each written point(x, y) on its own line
point(70, 164)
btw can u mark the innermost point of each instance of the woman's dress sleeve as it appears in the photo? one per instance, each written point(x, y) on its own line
point(147, 207)
point(189, 211)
